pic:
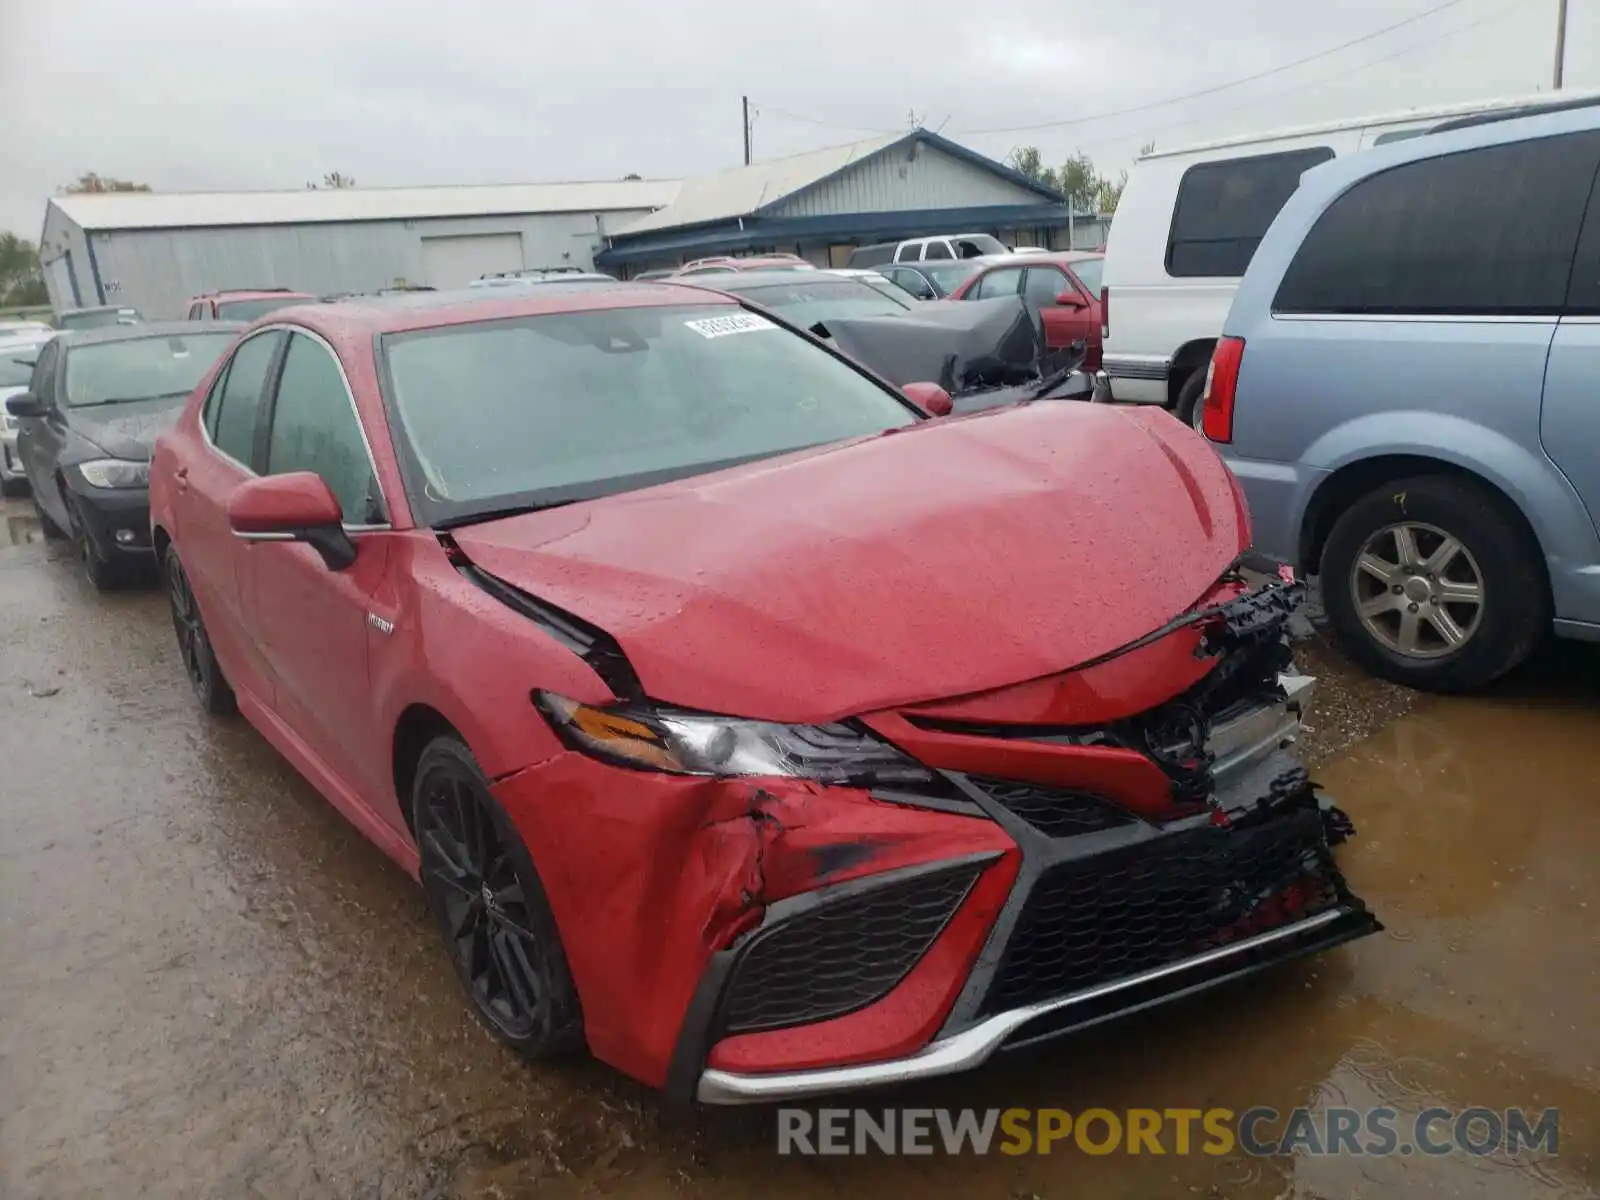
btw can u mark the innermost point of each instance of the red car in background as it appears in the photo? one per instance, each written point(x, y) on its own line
point(1063, 287)
point(243, 304)
point(742, 723)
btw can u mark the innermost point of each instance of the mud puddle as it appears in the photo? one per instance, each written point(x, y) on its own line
point(211, 986)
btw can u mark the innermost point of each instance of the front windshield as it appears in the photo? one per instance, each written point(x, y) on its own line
point(950, 276)
point(249, 310)
point(539, 410)
point(142, 369)
point(822, 299)
point(1088, 271)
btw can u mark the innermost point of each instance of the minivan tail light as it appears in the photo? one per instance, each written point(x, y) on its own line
point(1222, 386)
point(1105, 313)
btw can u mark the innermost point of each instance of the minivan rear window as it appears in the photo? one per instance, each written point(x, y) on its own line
point(1490, 231)
point(1224, 208)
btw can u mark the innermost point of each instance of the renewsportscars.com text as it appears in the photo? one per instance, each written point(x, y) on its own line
point(1259, 1132)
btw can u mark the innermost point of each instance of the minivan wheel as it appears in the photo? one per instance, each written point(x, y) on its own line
point(1191, 409)
point(1431, 583)
point(490, 907)
point(194, 644)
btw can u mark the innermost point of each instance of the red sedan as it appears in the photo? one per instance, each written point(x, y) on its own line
point(1062, 287)
point(742, 723)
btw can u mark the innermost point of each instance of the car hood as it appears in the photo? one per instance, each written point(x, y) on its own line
point(948, 558)
point(125, 430)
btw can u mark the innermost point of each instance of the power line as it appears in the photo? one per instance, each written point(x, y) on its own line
point(1255, 101)
point(1221, 87)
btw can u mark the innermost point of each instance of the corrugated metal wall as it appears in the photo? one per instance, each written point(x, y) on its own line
point(918, 178)
point(157, 271)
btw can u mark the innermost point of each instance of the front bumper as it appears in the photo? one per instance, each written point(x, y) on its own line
point(116, 521)
point(1026, 1026)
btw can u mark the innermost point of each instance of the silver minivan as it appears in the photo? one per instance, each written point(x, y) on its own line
point(1408, 391)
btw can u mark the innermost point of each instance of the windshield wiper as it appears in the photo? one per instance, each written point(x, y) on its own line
point(511, 510)
point(128, 399)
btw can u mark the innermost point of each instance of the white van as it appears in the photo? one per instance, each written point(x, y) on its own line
point(1188, 224)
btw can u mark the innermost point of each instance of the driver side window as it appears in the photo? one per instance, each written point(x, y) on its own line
point(314, 428)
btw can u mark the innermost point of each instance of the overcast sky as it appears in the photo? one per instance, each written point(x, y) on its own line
point(245, 94)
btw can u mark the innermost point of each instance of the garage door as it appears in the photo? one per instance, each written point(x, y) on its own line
point(452, 262)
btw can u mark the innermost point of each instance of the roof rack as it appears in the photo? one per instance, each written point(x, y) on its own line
point(1511, 114)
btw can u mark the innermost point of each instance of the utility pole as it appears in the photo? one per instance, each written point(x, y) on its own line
point(747, 122)
point(1561, 41)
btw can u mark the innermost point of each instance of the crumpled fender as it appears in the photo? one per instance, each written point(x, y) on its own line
point(650, 874)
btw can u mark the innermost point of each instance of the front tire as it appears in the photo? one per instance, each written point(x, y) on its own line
point(194, 644)
point(52, 531)
point(1431, 582)
point(490, 907)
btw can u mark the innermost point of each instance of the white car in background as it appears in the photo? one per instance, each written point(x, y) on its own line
point(1188, 223)
point(18, 349)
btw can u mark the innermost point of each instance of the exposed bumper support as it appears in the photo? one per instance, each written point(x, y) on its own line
point(972, 1047)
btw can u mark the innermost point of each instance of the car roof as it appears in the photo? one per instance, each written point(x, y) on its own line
point(431, 310)
point(747, 281)
point(249, 293)
point(98, 308)
point(152, 329)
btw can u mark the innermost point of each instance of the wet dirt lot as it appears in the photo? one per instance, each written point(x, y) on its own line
point(211, 986)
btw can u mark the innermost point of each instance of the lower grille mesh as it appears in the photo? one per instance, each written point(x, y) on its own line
point(842, 955)
point(1054, 811)
point(1118, 914)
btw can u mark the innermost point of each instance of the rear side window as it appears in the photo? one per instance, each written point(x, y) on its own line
point(938, 250)
point(1481, 232)
point(910, 252)
point(871, 256)
point(234, 430)
point(1224, 208)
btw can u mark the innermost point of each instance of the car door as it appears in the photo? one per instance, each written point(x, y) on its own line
point(1064, 311)
point(311, 622)
point(1569, 418)
point(39, 439)
point(218, 461)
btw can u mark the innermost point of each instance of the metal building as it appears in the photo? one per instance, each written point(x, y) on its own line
point(154, 250)
point(823, 203)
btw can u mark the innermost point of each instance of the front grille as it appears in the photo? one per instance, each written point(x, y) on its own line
point(1054, 811)
point(1118, 914)
point(842, 955)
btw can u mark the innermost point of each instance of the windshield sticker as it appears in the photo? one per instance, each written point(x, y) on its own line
point(715, 327)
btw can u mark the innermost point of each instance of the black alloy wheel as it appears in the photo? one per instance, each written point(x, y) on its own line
point(194, 646)
point(491, 908)
point(102, 573)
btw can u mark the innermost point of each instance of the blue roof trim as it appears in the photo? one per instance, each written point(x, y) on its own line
point(927, 138)
point(741, 234)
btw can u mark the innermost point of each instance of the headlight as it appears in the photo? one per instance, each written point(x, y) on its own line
point(687, 743)
point(115, 473)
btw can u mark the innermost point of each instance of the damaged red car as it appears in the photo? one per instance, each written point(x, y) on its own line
point(745, 725)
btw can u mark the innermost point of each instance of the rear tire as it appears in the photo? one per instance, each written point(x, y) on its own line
point(1418, 563)
point(490, 907)
point(1190, 408)
point(194, 643)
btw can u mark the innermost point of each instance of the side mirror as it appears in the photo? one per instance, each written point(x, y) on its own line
point(1071, 299)
point(26, 405)
point(296, 507)
point(930, 398)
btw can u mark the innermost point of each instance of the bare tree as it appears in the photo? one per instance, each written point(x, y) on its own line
point(91, 181)
point(333, 179)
